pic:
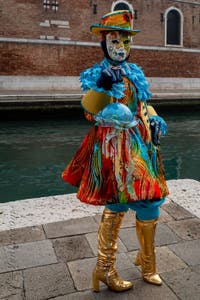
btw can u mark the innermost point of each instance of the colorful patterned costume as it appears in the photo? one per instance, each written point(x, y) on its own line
point(117, 163)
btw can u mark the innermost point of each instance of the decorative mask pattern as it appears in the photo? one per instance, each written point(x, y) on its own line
point(118, 45)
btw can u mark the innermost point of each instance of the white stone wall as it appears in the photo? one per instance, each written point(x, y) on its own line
point(58, 83)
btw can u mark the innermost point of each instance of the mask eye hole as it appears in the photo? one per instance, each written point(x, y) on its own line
point(115, 42)
point(126, 42)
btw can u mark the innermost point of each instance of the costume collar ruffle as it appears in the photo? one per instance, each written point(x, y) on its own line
point(133, 72)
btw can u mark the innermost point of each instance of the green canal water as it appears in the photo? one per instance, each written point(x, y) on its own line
point(33, 153)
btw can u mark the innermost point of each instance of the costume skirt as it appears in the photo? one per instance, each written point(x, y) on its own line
point(116, 166)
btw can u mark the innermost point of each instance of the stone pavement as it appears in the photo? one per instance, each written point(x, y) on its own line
point(55, 260)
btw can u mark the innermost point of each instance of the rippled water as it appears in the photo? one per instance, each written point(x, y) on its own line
point(34, 153)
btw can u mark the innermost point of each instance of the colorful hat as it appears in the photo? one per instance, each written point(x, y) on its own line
point(116, 20)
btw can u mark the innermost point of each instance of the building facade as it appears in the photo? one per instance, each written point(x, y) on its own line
point(52, 37)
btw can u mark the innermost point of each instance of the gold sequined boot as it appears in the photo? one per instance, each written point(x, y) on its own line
point(146, 255)
point(107, 246)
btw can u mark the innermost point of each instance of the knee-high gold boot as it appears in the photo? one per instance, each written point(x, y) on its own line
point(146, 255)
point(107, 246)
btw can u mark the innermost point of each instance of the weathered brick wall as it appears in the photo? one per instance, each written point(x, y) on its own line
point(23, 18)
point(38, 59)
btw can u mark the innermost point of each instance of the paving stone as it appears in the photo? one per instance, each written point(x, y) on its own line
point(21, 256)
point(185, 283)
point(11, 286)
point(140, 290)
point(81, 270)
point(177, 211)
point(88, 295)
point(130, 274)
point(188, 251)
point(164, 217)
point(128, 220)
point(70, 227)
point(46, 282)
point(188, 229)
point(164, 235)
point(133, 255)
point(129, 238)
point(123, 262)
point(14, 297)
point(72, 248)
point(97, 218)
point(196, 269)
point(166, 260)
point(92, 239)
point(21, 235)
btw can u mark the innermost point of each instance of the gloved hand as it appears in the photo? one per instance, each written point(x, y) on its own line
point(110, 76)
point(158, 129)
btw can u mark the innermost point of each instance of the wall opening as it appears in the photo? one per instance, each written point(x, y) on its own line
point(173, 27)
point(121, 5)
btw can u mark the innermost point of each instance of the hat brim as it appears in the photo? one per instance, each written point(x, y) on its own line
point(98, 29)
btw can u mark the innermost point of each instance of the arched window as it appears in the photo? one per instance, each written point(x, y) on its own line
point(121, 5)
point(173, 27)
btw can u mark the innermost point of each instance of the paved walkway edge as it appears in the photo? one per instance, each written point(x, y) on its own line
point(38, 211)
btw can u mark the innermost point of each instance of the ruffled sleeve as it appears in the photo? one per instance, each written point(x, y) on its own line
point(161, 123)
point(89, 77)
point(136, 76)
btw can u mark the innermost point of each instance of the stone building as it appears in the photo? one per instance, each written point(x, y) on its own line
point(52, 37)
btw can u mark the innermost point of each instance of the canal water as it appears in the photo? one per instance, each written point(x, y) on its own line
point(33, 153)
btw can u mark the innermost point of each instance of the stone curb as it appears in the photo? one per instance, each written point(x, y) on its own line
point(38, 211)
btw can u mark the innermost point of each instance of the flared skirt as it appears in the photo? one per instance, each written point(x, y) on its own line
point(116, 166)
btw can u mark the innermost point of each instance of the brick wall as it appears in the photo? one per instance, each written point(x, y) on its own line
point(38, 59)
point(26, 19)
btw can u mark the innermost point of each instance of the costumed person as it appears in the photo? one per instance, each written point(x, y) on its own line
point(118, 163)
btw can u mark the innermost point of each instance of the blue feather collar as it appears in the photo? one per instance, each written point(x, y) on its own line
point(133, 72)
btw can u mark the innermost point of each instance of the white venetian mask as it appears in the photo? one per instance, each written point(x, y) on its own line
point(118, 45)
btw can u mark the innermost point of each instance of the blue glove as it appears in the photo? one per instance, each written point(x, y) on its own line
point(158, 128)
point(110, 76)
